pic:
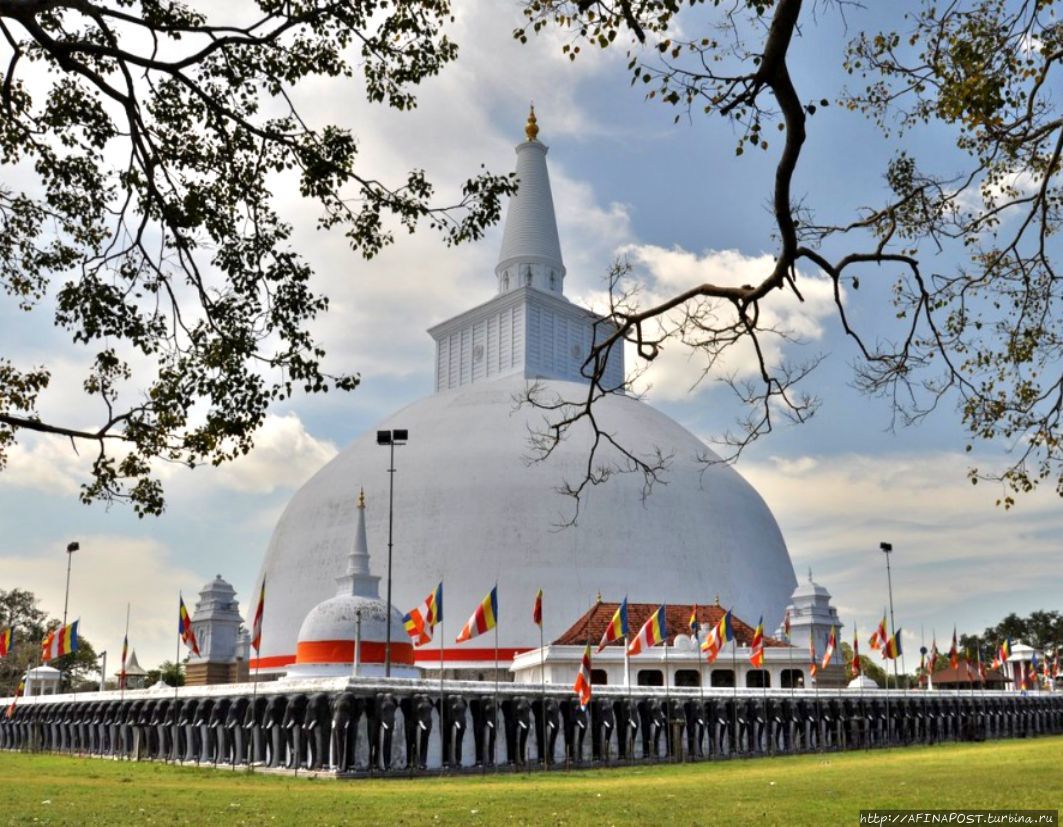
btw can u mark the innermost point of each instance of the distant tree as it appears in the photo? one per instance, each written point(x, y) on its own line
point(145, 147)
point(167, 672)
point(986, 335)
point(1041, 629)
point(30, 624)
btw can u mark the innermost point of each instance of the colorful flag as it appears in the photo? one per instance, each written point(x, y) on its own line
point(256, 627)
point(934, 656)
point(954, 652)
point(711, 645)
point(184, 627)
point(537, 609)
point(18, 694)
point(125, 654)
point(6, 636)
point(813, 664)
point(981, 666)
point(421, 621)
point(892, 649)
point(583, 678)
point(828, 653)
point(483, 619)
point(60, 642)
point(854, 667)
point(786, 625)
point(756, 651)
point(726, 632)
point(692, 624)
point(1004, 652)
point(1055, 665)
point(653, 631)
point(617, 627)
point(879, 636)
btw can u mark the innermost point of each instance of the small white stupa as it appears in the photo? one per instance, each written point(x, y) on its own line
point(326, 646)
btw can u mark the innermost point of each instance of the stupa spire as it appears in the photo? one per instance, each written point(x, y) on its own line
point(357, 580)
point(531, 249)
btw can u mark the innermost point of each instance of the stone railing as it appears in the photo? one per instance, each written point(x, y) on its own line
point(361, 727)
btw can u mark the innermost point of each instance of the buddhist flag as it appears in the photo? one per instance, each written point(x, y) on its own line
point(1003, 653)
point(892, 649)
point(712, 646)
point(583, 678)
point(18, 694)
point(981, 666)
point(421, 621)
point(854, 667)
point(832, 642)
point(653, 631)
point(184, 627)
point(256, 628)
point(617, 627)
point(692, 624)
point(879, 636)
point(934, 655)
point(786, 626)
point(954, 652)
point(6, 636)
point(60, 642)
point(483, 619)
point(813, 666)
point(756, 652)
point(537, 609)
point(1055, 665)
point(726, 629)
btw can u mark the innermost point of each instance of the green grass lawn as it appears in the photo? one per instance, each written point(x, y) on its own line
point(813, 789)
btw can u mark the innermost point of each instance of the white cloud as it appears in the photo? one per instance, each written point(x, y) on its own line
point(663, 272)
point(957, 558)
point(107, 573)
point(285, 456)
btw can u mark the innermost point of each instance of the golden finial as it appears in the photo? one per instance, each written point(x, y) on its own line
point(717, 598)
point(531, 128)
point(361, 498)
point(599, 598)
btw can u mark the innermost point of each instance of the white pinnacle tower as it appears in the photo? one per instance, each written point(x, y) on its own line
point(531, 250)
point(529, 328)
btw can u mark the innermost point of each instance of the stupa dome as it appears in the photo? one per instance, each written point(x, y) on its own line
point(471, 511)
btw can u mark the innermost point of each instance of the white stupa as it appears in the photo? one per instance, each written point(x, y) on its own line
point(356, 614)
point(470, 511)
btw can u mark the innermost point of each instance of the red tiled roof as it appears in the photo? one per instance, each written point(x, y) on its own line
point(591, 626)
point(967, 675)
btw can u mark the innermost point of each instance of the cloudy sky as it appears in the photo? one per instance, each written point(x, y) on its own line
point(677, 203)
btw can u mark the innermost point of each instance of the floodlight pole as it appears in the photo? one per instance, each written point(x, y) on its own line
point(887, 549)
point(391, 439)
point(70, 549)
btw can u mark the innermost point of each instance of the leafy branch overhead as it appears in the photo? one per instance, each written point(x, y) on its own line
point(987, 334)
point(141, 141)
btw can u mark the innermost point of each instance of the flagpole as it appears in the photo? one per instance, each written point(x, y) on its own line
point(495, 713)
point(630, 746)
point(442, 699)
point(176, 675)
point(667, 701)
point(734, 688)
point(121, 675)
point(542, 667)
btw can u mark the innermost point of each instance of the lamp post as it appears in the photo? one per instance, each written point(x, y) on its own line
point(887, 549)
point(70, 549)
point(398, 436)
